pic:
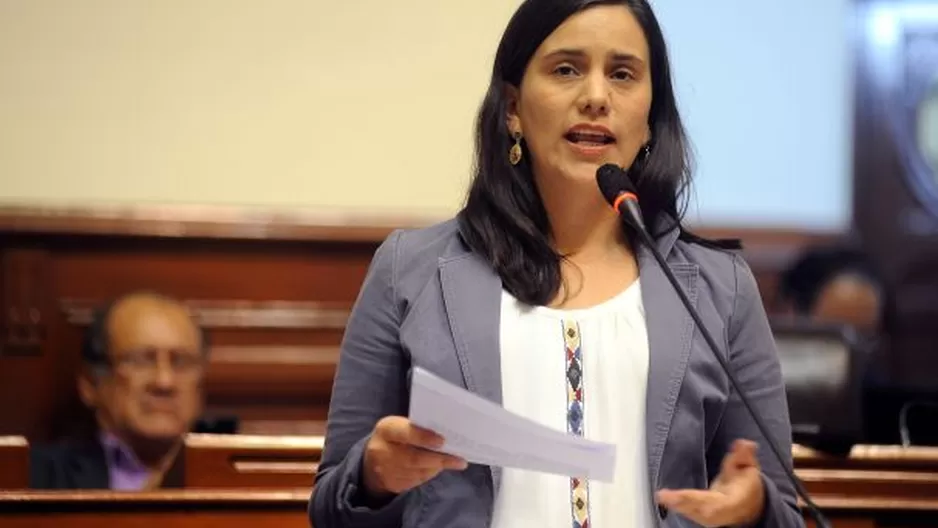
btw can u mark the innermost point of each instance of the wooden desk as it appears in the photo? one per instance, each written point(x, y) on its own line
point(177, 509)
point(244, 461)
point(286, 509)
point(875, 486)
point(871, 475)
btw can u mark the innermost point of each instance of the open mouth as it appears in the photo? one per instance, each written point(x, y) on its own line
point(589, 139)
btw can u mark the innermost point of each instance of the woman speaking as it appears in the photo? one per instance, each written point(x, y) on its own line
point(538, 298)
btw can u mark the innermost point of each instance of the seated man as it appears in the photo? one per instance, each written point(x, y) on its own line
point(839, 285)
point(143, 364)
point(834, 285)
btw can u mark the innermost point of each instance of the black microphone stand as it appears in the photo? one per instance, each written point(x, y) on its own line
point(638, 226)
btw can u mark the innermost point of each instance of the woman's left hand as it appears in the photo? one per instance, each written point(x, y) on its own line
point(736, 497)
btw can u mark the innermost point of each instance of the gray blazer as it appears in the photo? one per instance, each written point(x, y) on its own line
point(428, 300)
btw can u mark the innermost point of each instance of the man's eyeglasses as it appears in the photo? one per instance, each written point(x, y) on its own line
point(146, 361)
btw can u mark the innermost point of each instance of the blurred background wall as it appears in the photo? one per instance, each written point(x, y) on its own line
point(369, 105)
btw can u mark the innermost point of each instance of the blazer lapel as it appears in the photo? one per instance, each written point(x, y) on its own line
point(670, 329)
point(472, 295)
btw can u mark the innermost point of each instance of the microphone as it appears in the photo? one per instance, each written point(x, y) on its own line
point(619, 190)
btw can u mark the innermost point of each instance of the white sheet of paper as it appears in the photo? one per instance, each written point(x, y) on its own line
point(483, 432)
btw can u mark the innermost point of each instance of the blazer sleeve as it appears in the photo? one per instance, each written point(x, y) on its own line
point(754, 361)
point(370, 383)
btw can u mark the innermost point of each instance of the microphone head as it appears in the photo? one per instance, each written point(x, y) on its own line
point(613, 181)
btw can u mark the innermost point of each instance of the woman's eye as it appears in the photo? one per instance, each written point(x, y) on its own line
point(565, 70)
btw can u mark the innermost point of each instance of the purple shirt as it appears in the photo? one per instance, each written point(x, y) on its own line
point(125, 470)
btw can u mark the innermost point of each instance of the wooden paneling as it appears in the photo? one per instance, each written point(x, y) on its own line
point(27, 335)
point(14, 459)
point(274, 291)
point(25, 290)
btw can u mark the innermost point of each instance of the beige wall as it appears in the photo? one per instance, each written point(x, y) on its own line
point(285, 103)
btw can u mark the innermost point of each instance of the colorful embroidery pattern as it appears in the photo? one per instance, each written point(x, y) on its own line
point(579, 487)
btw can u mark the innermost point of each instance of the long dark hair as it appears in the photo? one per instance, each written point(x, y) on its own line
point(504, 218)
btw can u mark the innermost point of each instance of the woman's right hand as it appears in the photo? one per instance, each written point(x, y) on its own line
point(398, 457)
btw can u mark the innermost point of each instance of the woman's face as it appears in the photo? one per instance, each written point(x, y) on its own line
point(585, 97)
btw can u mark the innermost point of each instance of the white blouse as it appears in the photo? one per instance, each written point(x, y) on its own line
point(582, 371)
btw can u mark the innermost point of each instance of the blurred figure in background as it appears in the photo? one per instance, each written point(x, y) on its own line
point(835, 284)
point(143, 364)
point(839, 285)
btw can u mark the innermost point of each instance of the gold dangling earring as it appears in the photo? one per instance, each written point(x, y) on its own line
point(514, 155)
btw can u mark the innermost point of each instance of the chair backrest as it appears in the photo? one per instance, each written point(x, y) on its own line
point(14, 459)
point(823, 368)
